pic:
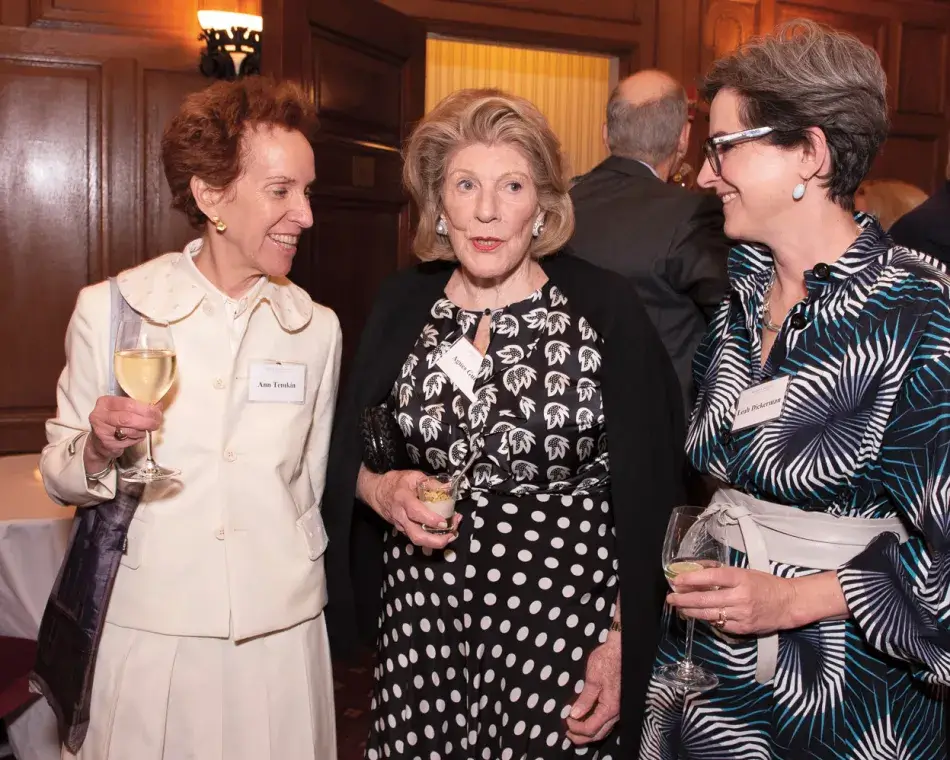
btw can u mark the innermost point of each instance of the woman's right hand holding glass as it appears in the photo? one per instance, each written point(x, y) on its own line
point(394, 498)
point(113, 414)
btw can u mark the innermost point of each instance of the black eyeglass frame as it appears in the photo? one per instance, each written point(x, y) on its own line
point(713, 144)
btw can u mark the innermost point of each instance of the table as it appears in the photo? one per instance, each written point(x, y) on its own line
point(34, 532)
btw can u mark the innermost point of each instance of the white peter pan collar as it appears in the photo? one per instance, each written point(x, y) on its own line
point(166, 289)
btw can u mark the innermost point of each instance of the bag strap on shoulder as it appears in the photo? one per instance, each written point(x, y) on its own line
point(119, 310)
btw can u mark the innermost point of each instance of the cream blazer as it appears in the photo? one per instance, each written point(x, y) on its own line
point(234, 547)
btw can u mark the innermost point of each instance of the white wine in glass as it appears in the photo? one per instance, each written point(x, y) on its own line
point(689, 547)
point(145, 365)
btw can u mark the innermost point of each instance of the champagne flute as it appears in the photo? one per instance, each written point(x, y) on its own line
point(689, 547)
point(145, 364)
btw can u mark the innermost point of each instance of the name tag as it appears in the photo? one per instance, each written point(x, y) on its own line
point(461, 363)
point(763, 403)
point(279, 382)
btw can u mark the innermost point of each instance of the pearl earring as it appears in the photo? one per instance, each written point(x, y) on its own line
point(799, 192)
point(218, 224)
point(538, 226)
point(441, 228)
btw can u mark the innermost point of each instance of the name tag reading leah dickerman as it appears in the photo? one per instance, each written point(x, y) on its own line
point(762, 403)
point(280, 382)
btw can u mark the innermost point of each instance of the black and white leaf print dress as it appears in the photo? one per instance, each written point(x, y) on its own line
point(483, 647)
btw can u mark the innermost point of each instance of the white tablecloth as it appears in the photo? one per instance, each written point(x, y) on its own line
point(33, 536)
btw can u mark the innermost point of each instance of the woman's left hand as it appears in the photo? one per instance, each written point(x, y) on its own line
point(597, 708)
point(752, 602)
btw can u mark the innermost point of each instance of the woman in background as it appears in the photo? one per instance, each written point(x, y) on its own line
point(887, 199)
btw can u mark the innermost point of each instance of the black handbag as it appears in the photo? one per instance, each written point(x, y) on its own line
point(384, 447)
point(68, 640)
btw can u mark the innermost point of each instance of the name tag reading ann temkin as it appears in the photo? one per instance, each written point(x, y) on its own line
point(279, 382)
point(461, 363)
point(763, 403)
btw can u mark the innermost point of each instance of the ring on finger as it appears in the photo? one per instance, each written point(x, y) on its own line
point(721, 621)
point(120, 434)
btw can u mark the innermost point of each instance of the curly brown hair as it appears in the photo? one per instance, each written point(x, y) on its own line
point(205, 139)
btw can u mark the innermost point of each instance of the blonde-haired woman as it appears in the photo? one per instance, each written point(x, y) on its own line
point(887, 199)
point(506, 361)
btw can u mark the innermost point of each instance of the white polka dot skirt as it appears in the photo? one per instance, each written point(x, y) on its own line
point(483, 647)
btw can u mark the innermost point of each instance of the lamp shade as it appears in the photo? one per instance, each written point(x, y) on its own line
point(233, 44)
point(225, 20)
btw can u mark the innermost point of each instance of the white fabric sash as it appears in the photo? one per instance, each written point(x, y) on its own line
point(767, 531)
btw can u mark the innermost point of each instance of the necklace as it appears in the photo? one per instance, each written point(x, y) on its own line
point(767, 322)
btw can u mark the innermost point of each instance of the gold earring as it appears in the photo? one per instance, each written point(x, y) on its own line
point(218, 224)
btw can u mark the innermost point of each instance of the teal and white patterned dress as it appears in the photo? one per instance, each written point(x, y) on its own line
point(865, 432)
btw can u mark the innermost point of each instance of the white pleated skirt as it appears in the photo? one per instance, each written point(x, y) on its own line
point(161, 697)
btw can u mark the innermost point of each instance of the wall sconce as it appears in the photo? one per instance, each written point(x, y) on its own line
point(234, 44)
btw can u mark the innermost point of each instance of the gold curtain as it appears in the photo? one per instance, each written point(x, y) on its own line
point(570, 89)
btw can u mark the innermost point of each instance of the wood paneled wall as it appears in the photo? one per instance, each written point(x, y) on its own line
point(87, 86)
point(86, 89)
point(910, 36)
point(685, 36)
point(624, 28)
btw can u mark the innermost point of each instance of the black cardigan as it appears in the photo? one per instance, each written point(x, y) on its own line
point(644, 413)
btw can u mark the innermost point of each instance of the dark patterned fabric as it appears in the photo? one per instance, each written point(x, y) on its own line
point(865, 432)
point(483, 646)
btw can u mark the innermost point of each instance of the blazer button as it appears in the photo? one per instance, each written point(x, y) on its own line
point(219, 383)
point(219, 534)
point(822, 271)
point(799, 321)
point(230, 455)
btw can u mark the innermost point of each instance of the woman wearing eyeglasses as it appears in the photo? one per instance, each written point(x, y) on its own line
point(824, 411)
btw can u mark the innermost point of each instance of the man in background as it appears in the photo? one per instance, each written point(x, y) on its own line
point(927, 227)
point(667, 239)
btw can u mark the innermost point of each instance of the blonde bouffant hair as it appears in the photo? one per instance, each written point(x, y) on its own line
point(488, 117)
point(888, 199)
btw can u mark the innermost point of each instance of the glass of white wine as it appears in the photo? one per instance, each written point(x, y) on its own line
point(689, 547)
point(145, 365)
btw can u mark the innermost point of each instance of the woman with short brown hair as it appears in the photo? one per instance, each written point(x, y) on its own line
point(822, 412)
point(214, 645)
point(505, 363)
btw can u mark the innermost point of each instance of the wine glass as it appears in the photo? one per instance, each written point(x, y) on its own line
point(145, 364)
point(689, 547)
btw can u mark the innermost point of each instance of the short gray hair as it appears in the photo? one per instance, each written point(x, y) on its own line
point(647, 132)
point(809, 75)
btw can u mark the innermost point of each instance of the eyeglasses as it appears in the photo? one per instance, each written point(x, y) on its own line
point(714, 147)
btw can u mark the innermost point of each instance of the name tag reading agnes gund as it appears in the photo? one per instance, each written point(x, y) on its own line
point(462, 363)
point(280, 382)
point(763, 403)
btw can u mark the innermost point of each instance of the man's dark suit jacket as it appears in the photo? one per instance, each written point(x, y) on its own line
point(927, 227)
point(668, 240)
